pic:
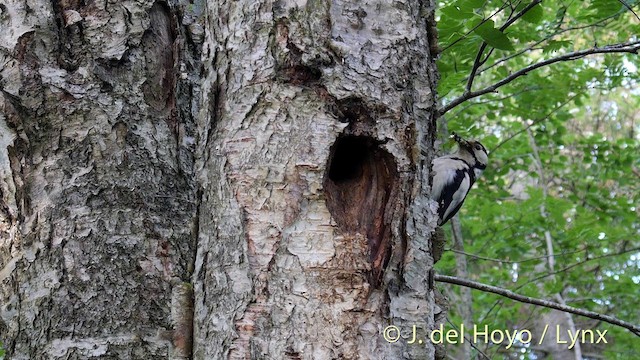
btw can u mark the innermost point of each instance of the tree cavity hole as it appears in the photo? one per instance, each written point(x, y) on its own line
point(359, 183)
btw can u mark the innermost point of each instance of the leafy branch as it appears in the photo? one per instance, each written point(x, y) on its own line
point(631, 48)
point(540, 302)
point(479, 61)
point(497, 99)
point(549, 37)
point(463, 37)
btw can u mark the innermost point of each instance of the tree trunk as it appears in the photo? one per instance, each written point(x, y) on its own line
point(222, 179)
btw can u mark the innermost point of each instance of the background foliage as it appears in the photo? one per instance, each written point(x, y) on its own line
point(564, 146)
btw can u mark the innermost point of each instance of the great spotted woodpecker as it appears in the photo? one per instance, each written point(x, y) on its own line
point(454, 174)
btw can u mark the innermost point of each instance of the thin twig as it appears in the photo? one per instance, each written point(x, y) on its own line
point(511, 261)
point(560, 271)
point(569, 267)
point(479, 61)
point(475, 27)
point(616, 48)
point(629, 7)
point(519, 14)
point(635, 329)
point(549, 37)
point(502, 98)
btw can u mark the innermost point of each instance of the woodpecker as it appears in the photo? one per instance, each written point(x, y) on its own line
point(454, 174)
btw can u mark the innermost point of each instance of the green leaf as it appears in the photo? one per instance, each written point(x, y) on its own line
point(472, 4)
point(554, 45)
point(493, 36)
point(534, 15)
point(450, 82)
point(456, 12)
point(606, 7)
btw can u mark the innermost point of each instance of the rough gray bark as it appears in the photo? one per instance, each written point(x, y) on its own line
point(98, 194)
point(260, 166)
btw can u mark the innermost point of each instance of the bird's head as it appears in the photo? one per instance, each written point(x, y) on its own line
point(474, 150)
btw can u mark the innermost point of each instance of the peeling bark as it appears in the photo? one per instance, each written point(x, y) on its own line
point(316, 230)
point(209, 180)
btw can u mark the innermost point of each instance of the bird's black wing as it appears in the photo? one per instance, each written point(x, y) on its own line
point(453, 194)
